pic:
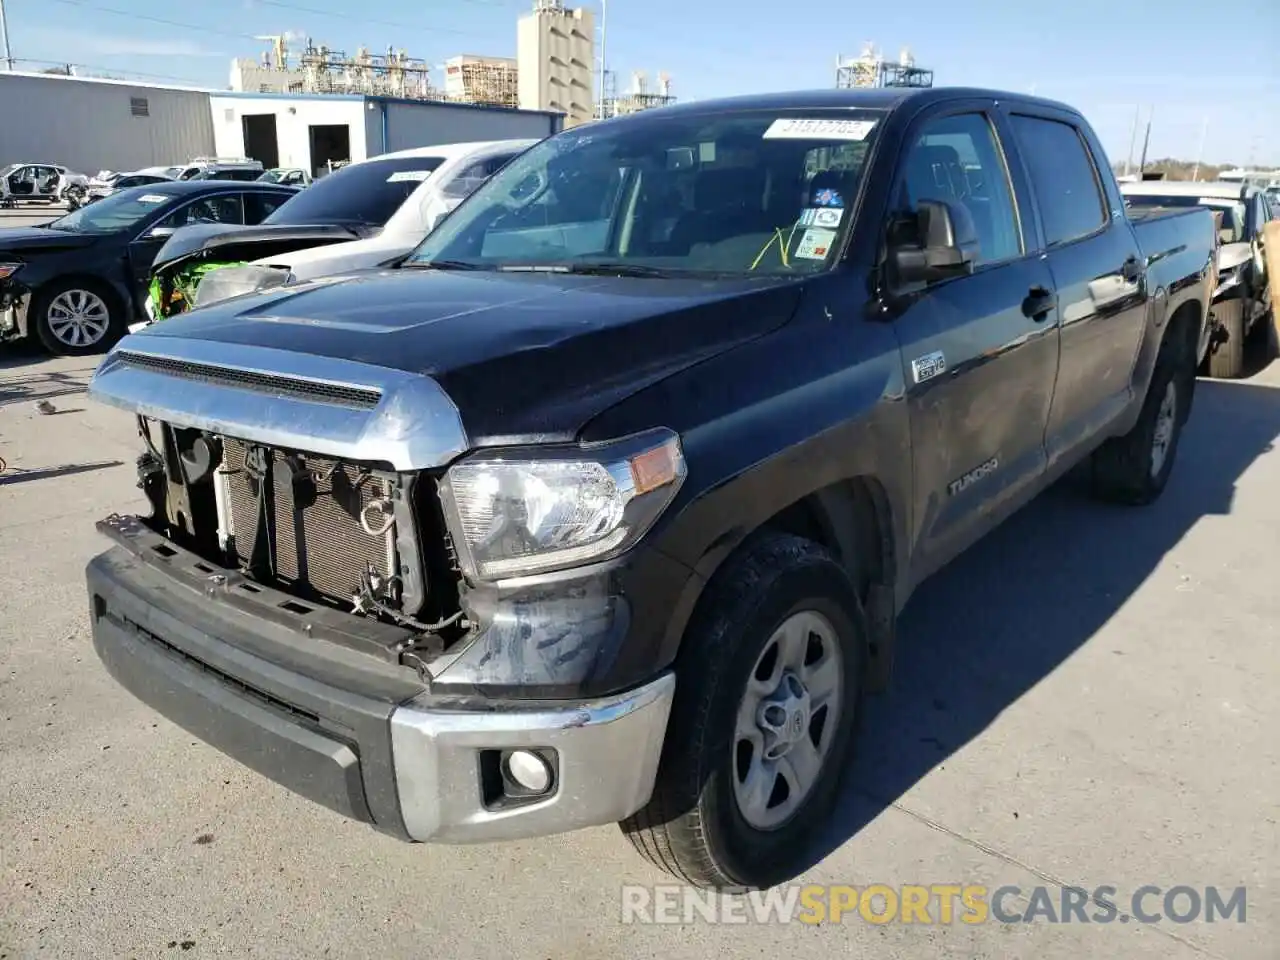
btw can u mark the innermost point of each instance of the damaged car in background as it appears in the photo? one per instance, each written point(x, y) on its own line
point(75, 283)
point(366, 214)
point(1242, 299)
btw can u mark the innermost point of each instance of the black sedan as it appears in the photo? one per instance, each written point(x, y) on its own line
point(78, 282)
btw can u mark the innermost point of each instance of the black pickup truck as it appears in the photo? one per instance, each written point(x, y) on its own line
point(601, 506)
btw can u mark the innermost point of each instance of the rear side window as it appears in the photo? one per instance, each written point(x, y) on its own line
point(259, 206)
point(1063, 177)
point(365, 193)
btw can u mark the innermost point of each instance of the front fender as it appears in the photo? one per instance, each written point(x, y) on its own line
point(816, 404)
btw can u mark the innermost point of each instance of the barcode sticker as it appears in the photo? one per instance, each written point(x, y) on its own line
point(799, 128)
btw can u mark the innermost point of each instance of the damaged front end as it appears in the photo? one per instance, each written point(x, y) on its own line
point(205, 264)
point(305, 484)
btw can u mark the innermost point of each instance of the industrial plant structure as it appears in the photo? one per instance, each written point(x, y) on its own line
point(487, 80)
point(870, 69)
point(553, 70)
point(639, 98)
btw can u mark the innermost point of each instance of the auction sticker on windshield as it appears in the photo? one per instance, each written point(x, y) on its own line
point(152, 198)
point(402, 175)
point(815, 244)
point(822, 217)
point(798, 128)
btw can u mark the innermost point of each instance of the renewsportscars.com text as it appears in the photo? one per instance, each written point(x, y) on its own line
point(939, 903)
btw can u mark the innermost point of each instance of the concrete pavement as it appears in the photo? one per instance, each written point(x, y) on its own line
point(1088, 697)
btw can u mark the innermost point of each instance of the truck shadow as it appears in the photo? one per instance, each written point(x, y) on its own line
point(1001, 618)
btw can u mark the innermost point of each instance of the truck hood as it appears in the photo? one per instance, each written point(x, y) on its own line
point(236, 242)
point(20, 239)
point(523, 357)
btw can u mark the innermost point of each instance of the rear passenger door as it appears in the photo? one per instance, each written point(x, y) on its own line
point(1094, 259)
point(258, 205)
point(980, 352)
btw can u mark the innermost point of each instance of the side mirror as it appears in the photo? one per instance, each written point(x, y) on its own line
point(947, 244)
point(158, 233)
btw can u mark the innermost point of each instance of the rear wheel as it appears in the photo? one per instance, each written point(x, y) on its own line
point(770, 682)
point(76, 317)
point(1226, 358)
point(1135, 468)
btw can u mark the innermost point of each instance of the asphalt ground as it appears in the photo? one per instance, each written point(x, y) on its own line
point(1087, 698)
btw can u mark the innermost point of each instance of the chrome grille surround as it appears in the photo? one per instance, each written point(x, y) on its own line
point(283, 398)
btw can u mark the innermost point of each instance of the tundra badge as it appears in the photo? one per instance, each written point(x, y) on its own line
point(929, 366)
point(973, 476)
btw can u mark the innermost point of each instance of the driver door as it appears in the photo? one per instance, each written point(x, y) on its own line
point(980, 352)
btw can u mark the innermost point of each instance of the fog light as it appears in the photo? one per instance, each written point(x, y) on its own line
point(529, 770)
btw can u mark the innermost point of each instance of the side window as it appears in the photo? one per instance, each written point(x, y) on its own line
point(259, 206)
point(494, 164)
point(1063, 177)
point(958, 159)
point(226, 208)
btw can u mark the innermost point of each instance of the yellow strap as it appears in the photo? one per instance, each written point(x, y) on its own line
point(782, 247)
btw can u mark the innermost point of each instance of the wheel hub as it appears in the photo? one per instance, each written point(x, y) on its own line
point(1166, 417)
point(783, 717)
point(78, 318)
point(787, 719)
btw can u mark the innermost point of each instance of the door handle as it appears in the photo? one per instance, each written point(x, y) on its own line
point(1037, 303)
point(1131, 270)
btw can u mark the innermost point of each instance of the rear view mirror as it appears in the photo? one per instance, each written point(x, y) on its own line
point(680, 158)
point(946, 244)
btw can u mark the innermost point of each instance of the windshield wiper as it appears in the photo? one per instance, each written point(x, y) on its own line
point(444, 265)
point(594, 269)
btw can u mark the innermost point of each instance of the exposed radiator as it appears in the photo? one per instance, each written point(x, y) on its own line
point(318, 545)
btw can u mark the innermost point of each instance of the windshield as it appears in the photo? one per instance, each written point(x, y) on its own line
point(757, 192)
point(365, 193)
point(1232, 228)
point(119, 211)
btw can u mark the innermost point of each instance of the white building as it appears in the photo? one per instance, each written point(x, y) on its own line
point(555, 56)
point(311, 130)
point(90, 125)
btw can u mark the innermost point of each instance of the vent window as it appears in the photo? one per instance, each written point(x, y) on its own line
point(138, 107)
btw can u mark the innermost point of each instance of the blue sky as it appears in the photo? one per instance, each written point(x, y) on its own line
point(1107, 58)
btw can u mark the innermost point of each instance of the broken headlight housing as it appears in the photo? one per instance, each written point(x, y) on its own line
point(519, 512)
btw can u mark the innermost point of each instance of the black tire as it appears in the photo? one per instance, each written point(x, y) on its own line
point(1124, 468)
point(42, 325)
point(693, 826)
point(1226, 357)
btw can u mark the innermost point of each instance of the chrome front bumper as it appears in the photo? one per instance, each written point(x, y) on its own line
point(606, 751)
point(348, 731)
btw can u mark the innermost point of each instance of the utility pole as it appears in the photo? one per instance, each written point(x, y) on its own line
point(604, 63)
point(1133, 139)
point(1204, 132)
point(1146, 141)
point(4, 40)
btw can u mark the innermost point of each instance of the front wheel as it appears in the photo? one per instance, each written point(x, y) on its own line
point(76, 318)
point(769, 685)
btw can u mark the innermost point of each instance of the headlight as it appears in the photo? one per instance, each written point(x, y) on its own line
point(7, 270)
point(1227, 279)
point(539, 509)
